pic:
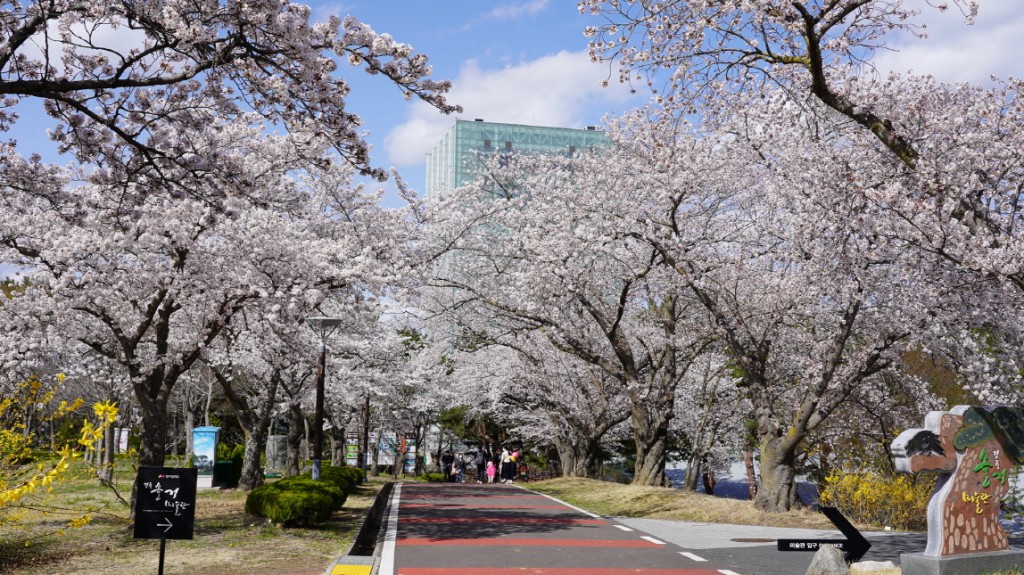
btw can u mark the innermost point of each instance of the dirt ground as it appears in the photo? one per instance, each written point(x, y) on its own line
point(226, 540)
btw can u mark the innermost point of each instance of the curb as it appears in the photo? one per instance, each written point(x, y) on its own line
point(361, 557)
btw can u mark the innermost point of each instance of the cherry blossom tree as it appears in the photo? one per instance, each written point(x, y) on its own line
point(118, 76)
point(149, 281)
point(707, 55)
point(528, 251)
point(545, 397)
point(708, 412)
point(931, 171)
point(811, 294)
point(955, 149)
point(249, 362)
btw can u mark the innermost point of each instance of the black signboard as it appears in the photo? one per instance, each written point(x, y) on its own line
point(853, 547)
point(165, 502)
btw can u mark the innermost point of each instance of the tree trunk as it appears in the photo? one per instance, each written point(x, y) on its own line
point(650, 463)
point(567, 456)
point(252, 473)
point(708, 477)
point(175, 428)
point(692, 471)
point(337, 446)
point(748, 460)
point(579, 456)
point(190, 424)
point(440, 449)
point(306, 441)
point(294, 416)
point(778, 475)
point(153, 435)
point(373, 452)
point(105, 467)
point(255, 423)
point(649, 432)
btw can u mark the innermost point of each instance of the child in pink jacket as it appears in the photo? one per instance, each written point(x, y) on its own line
point(490, 471)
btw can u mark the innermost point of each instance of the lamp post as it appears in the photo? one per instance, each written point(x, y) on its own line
point(323, 326)
point(421, 443)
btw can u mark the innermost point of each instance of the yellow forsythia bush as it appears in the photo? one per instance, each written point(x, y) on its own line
point(869, 497)
point(22, 482)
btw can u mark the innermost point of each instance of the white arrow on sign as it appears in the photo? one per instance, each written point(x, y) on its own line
point(167, 526)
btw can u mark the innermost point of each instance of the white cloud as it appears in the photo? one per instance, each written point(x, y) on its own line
point(956, 52)
point(517, 10)
point(562, 90)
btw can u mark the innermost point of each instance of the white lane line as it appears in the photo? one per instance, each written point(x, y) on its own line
point(692, 556)
point(556, 500)
point(653, 540)
point(622, 527)
point(727, 572)
point(387, 555)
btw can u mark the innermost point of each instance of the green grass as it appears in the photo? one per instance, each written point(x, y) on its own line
point(616, 499)
point(226, 540)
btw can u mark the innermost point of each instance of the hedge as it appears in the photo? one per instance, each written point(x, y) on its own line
point(299, 500)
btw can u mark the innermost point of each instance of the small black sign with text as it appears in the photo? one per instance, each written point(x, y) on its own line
point(853, 547)
point(165, 502)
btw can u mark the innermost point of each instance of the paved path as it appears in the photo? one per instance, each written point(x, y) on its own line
point(456, 529)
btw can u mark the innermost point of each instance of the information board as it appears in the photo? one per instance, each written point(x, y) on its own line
point(409, 450)
point(165, 502)
point(352, 450)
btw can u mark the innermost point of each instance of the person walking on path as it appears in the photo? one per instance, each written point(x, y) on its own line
point(446, 466)
point(491, 470)
point(479, 462)
point(507, 466)
point(459, 467)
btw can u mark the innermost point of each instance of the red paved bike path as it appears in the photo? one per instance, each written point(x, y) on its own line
point(462, 529)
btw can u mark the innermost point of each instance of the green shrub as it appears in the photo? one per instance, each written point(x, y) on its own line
point(296, 501)
point(256, 498)
point(301, 483)
point(432, 477)
point(298, 507)
point(868, 497)
point(345, 478)
point(235, 453)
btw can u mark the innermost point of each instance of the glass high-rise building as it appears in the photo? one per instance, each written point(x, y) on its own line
point(452, 162)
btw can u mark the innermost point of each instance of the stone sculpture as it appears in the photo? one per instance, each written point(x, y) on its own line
point(973, 448)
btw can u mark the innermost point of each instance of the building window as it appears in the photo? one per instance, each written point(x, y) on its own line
point(572, 150)
point(508, 145)
point(487, 143)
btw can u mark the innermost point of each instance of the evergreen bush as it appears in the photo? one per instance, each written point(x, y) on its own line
point(298, 507)
point(345, 478)
point(296, 501)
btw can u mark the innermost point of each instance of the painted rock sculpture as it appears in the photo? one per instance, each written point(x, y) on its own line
point(973, 448)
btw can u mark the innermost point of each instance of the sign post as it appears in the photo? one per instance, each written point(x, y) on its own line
point(853, 547)
point(165, 504)
point(409, 452)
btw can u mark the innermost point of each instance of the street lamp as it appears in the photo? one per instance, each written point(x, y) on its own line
point(323, 326)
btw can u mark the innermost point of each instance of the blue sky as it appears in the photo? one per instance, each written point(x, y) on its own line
point(518, 62)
